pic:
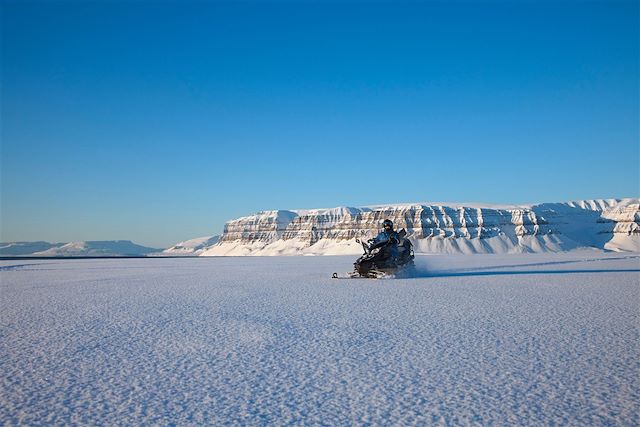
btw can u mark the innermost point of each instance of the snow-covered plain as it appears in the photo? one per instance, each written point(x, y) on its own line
point(530, 339)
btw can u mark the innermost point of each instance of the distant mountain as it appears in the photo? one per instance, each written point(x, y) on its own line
point(610, 224)
point(95, 248)
point(191, 247)
point(25, 248)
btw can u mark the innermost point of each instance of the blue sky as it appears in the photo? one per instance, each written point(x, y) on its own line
point(156, 122)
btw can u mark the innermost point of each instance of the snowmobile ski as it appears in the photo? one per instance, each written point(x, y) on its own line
point(350, 275)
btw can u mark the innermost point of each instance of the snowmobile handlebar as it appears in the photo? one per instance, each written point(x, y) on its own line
point(365, 246)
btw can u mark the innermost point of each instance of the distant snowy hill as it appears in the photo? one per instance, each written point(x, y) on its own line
point(97, 248)
point(104, 248)
point(25, 248)
point(191, 247)
point(610, 224)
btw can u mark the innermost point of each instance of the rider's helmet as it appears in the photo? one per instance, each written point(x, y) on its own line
point(387, 224)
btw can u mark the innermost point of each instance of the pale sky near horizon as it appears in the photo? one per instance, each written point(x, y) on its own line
point(157, 122)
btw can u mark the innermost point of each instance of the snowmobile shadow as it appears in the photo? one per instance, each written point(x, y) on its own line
point(547, 263)
point(15, 267)
point(425, 269)
point(518, 272)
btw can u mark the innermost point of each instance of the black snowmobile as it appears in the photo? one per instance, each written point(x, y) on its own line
point(392, 259)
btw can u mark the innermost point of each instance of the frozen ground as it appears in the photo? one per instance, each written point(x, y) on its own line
point(537, 339)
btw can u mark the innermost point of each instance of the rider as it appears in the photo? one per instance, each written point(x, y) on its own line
point(387, 235)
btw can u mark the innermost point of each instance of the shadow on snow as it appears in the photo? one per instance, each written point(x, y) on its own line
point(426, 274)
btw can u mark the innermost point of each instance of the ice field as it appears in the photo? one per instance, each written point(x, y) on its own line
point(537, 339)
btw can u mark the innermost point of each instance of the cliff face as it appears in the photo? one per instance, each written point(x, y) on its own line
point(609, 224)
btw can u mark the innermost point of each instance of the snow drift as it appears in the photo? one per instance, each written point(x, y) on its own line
point(611, 224)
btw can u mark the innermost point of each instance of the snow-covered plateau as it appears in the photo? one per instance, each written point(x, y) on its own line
point(469, 228)
point(518, 339)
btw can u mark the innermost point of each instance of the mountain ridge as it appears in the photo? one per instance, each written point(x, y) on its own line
point(610, 224)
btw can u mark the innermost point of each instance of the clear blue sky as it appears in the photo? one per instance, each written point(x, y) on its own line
point(158, 122)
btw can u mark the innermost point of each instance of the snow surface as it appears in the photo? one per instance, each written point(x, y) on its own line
point(527, 339)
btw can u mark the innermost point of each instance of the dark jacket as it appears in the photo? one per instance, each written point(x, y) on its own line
point(383, 238)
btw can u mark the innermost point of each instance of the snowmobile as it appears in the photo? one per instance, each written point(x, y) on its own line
point(392, 259)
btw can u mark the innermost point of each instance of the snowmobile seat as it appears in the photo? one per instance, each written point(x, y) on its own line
point(402, 234)
point(403, 243)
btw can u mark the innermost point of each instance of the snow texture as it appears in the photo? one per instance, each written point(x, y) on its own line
point(528, 339)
